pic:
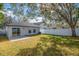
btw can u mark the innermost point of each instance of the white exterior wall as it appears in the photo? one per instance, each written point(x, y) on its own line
point(9, 32)
point(63, 32)
point(23, 31)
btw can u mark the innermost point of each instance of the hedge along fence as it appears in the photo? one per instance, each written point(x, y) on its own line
point(63, 32)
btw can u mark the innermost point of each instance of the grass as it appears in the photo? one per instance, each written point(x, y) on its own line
point(3, 38)
point(40, 45)
point(12, 48)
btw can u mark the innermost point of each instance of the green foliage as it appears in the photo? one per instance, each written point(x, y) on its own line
point(1, 18)
point(1, 15)
point(19, 8)
point(77, 12)
point(1, 6)
point(32, 6)
point(35, 12)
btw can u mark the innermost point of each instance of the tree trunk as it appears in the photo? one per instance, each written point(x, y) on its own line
point(73, 31)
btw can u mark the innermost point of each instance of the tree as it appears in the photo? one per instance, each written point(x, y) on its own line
point(63, 11)
point(29, 10)
point(18, 9)
point(1, 18)
point(34, 10)
point(1, 15)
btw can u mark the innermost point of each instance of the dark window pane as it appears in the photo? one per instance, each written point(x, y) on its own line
point(34, 30)
point(29, 31)
point(15, 31)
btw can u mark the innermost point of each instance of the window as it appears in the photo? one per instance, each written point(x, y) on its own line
point(15, 31)
point(34, 30)
point(29, 31)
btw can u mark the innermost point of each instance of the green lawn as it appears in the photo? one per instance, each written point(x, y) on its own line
point(40, 45)
point(3, 38)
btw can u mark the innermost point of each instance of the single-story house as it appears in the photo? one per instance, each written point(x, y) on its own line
point(17, 30)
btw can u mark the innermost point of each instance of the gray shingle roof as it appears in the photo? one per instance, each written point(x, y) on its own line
point(23, 24)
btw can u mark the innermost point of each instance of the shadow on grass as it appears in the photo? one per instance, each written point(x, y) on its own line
point(48, 47)
point(3, 38)
point(32, 35)
point(72, 41)
point(40, 51)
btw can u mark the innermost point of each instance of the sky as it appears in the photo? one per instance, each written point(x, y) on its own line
point(7, 7)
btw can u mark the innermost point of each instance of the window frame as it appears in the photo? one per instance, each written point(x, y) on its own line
point(15, 31)
point(29, 31)
point(34, 30)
